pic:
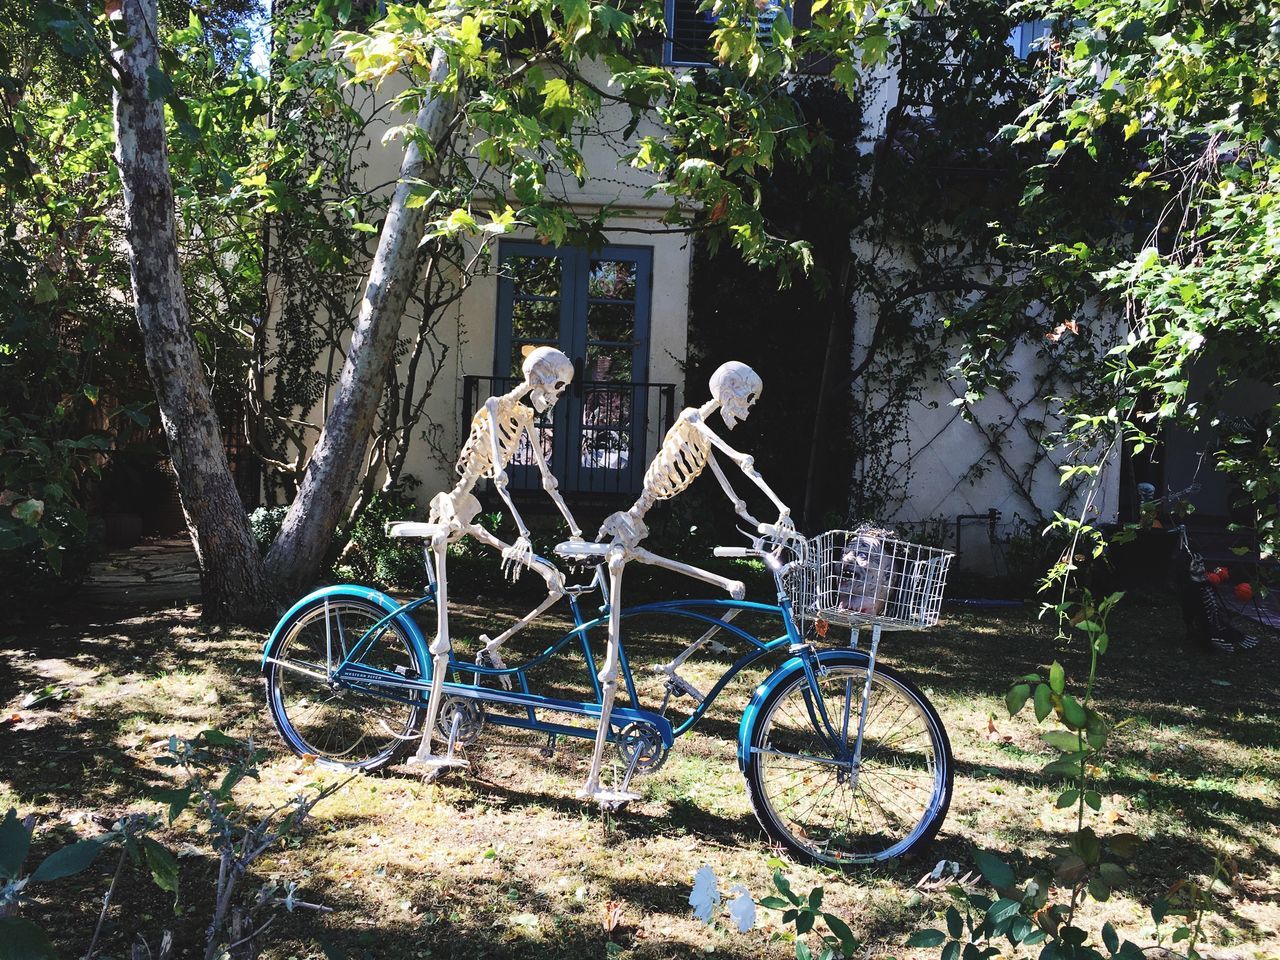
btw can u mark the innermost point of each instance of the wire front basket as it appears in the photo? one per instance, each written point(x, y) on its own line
point(865, 577)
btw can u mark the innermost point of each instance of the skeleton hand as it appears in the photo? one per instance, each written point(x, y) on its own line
point(516, 558)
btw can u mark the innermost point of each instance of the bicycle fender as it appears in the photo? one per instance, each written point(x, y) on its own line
point(337, 592)
point(780, 676)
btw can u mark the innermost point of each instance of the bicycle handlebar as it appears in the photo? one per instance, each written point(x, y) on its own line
point(736, 552)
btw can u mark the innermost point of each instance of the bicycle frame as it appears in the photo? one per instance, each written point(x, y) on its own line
point(716, 615)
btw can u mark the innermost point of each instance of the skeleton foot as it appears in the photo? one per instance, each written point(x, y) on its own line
point(491, 658)
point(433, 767)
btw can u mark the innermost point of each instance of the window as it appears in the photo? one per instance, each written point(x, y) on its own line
point(1028, 38)
point(689, 32)
point(593, 305)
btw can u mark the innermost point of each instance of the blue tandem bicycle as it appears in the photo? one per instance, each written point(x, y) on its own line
point(845, 761)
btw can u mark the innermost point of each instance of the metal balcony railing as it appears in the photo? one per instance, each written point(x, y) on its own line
point(598, 439)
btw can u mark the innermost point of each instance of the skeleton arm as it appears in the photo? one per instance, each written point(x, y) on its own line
point(499, 466)
point(739, 505)
point(549, 484)
point(747, 465)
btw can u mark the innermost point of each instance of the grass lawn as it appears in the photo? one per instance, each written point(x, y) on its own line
point(503, 862)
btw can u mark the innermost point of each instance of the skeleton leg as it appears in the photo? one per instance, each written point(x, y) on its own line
point(734, 588)
point(609, 686)
point(555, 590)
point(440, 648)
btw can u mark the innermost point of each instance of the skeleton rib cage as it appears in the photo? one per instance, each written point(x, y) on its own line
point(681, 459)
point(476, 457)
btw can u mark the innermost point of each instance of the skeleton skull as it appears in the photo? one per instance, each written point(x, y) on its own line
point(736, 386)
point(548, 372)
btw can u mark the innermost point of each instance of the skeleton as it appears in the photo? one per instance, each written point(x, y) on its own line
point(865, 572)
point(497, 432)
point(689, 447)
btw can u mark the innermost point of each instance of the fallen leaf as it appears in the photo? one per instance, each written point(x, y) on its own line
point(612, 915)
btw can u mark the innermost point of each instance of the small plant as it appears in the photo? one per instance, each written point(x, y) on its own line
point(803, 913)
point(214, 764)
point(24, 938)
point(372, 556)
point(264, 524)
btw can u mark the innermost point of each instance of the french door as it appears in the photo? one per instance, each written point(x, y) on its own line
point(594, 306)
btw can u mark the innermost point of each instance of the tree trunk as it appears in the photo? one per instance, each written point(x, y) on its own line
point(295, 558)
point(231, 575)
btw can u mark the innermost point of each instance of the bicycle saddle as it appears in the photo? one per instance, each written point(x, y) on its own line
point(415, 528)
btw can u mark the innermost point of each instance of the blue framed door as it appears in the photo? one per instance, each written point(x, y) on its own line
point(595, 306)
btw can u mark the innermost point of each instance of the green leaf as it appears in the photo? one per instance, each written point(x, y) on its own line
point(1114, 874)
point(995, 870)
point(1093, 799)
point(804, 922)
point(774, 903)
point(162, 864)
point(926, 938)
point(69, 860)
point(556, 93)
point(1043, 702)
point(1067, 798)
point(1017, 697)
point(20, 939)
point(1109, 938)
point(815, 898)
point(1062, 740)
point(15, 840)
point(1057, 678)
point(955, 923)
point(848, 942)
point(802, 951)
point(159, 86)
point(1124, 845)
point(1073, 714)
point(29, 511)
point(1003, 909)
point(951, 951)
point(176, 800)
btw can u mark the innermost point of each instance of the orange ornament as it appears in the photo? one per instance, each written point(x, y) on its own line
point(1212, 577)
point(1244, 591)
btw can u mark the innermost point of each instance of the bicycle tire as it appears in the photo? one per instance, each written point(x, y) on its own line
point(383, 729)
point(804, 839)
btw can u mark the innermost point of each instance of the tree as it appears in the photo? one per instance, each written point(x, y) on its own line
point(231, 576)
point(1192, 91)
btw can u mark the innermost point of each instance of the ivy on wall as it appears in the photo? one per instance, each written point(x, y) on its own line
point(926, 266)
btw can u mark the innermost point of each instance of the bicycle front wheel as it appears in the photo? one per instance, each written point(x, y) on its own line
point(346, 725)
point(805, 786)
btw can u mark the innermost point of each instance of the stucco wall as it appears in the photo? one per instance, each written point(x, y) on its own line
point(468, 330)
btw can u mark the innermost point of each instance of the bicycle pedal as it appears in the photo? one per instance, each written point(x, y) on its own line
point(614, 799)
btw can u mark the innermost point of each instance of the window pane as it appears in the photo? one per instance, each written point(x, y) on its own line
point(611, 321)
point(535, 276)
point(612, 279)
point(543, 430)
point(606, 427)
point(535, 319)
point(608, 364)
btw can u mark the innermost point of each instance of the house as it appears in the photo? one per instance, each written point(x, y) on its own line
point(621, 313)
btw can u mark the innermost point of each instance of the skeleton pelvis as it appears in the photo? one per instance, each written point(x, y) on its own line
point(624, 527)
point(458, 510)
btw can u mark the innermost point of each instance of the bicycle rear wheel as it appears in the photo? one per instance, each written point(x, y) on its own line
point(807, 793)
point(344, 725)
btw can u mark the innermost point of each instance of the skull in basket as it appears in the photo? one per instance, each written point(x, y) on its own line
point(865, 572)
